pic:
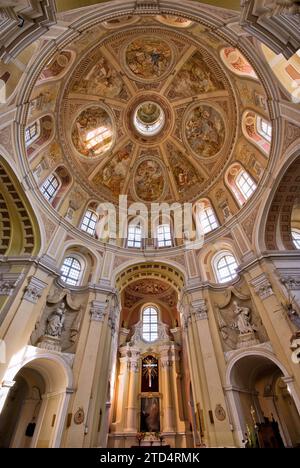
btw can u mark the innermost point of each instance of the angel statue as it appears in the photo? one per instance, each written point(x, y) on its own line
point(55, 321)
point(242, 322)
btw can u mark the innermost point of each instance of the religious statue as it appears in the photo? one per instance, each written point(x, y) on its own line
point(55, 321)
point(242, 322)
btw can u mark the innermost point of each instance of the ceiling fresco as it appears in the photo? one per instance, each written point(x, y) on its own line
point(147, 108)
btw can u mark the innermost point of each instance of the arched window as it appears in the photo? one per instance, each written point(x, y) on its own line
point(240, 182)
point(164, 238)
point(50, 187)
point(257, 130)
point(89, 222)
point(225, 266)
point(134, 236)
point(264, 128)
point(246, 184)
point(206, 216)
point(31, 133)
point(150, 323)
point(296, 238)
point(71, 271)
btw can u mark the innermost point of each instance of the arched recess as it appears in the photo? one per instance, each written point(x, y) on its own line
point(237, 63)
point(158, 270)
point(261, 393)
point(19, 231)
point(35, 416)
point(277, 232)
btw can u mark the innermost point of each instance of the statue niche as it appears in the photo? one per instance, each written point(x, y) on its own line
point(239, 325)
point(59, 324)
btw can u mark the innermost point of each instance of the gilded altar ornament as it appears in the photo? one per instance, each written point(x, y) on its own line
point(220, 413)
point(79, 416)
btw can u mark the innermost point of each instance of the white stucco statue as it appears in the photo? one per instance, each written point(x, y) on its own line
point(242, 322)
point(55, 321)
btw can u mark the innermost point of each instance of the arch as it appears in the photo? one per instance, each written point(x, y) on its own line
point(58, 382)
point(277, 230)
point(132, 271)
point(251, 378)
point(237, 63)
point(19, 229)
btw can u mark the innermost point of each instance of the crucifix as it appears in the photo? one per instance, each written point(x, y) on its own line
point(150, 369)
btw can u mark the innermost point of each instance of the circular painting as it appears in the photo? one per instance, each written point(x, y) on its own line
point(92, 132)
point(149, 180)
point(205, 130)
point(148, 58)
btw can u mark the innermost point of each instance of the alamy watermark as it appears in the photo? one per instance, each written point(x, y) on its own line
point(185, 220)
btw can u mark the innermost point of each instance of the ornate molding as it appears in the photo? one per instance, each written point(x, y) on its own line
point(8, 283)
point(199, 310)
point(34, 290)
point(292, 283)
point(23, 24)
point(98, 311)
point(262, 286)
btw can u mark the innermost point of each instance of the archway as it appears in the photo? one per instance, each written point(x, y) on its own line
point(35, 407)
point(262, 402)
point(149, 405)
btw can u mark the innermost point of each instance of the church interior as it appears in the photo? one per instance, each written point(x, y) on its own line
point(116, 329)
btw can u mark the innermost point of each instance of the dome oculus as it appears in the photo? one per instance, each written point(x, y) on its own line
point(149, 118)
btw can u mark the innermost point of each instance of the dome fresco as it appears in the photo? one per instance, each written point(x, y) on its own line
point(151, 111)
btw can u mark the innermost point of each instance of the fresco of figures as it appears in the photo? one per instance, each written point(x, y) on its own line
point(205, 130)
point(185, 175)
point(236, 62)
point(194, 77)
point(114, 173)
point(176, 21)
point(56, 66)
point(92, 132)
point(148, 58)
point(149, 180)
point(102, 80)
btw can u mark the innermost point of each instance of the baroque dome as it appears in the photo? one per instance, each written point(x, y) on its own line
point(150, 107)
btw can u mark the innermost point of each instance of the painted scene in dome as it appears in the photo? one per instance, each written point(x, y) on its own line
point(149, 180)
point(148, 58)
point(102, 79)
point(195, 77)
point(205, 131)
point(114, 173)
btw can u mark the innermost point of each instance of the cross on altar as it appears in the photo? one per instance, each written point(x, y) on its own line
point(150, 369)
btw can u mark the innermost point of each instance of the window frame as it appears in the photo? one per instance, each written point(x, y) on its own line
point(296, 240)
point(207, 207)
point(133, 240)
point(150, 307)
point(215, 261)
point(164, 242)
point(33, 138)
point(260, 121)
point(78, 259)
point(247, 177)
point(53, 195)
point(93, 213)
